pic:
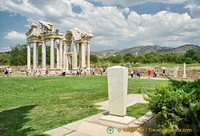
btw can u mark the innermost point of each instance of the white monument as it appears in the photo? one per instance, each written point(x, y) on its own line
point(117, 93)
point(117, 90)
point(184, 70)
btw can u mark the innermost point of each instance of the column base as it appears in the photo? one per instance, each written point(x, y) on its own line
point(52, 72)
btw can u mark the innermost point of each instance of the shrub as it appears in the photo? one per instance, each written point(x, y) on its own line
point(176, 106)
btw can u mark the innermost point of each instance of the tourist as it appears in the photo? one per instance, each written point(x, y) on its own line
point(34, 71)
point(9, 70)
point(27, 71)
point(135, 72)
point(131, 73)
point(80, 70)
point(46, 71)
point(155, 74)
point(6, 71)
point(101, 70)
point(85, 71)
point(77, 72)
point(63, 72)
point(163, 70)
point(149, 73)
point(139, 73)
point(93, 71)
point(40, 70)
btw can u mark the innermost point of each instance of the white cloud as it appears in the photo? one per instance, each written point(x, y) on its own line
point(13, 35)
point(4, 49)
point(126, 3)
point(108, 23)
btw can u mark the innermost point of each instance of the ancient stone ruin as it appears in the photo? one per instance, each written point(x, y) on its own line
point(37, 36)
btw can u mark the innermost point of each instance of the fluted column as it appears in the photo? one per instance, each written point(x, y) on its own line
point(83, 55)
point(37, 54)
point(61, 54)
point(88, 55)
point(69, 49)
point(58, 56)
point(80, 55)
point(44, 54)
point(74, 57)
point(52, 54)
point(34, 55)
point(64, 54)
point(67, 64)
point(28, 56)
point(69, 57)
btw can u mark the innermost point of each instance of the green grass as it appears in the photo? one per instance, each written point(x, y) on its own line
point(138, 110)
point(31, 106)
point(148, 65)
point(168, 65)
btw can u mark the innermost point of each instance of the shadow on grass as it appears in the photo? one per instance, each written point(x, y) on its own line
point(12, 121)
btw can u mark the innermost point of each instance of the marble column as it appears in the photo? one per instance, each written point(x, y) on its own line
point(28, 56)
point(64, 54)
point(74, 57)
point(80, 55)
point(44, 54)
point(69, 49)
point(67, 64)
point(37, 44)
point(88, 55)
point(52, 54)
point(34, 55)
point(83, 55)
point(58, 56)
point(61, 54)
point(69, 57)
point(184, 70)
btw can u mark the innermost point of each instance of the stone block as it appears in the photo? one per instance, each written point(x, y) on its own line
point(117, 90)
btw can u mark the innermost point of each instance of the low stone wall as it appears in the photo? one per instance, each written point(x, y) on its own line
point(191, 73)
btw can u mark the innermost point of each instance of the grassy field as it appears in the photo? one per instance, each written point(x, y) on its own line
point(31, 106)
point(148, 65)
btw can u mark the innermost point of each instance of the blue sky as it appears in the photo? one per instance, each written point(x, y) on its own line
point(114, 23)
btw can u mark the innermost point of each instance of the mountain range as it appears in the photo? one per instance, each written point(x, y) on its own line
point(141, 50)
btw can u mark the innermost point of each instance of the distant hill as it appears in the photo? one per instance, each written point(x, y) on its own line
point(141, 50)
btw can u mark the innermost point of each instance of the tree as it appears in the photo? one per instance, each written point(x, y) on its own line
point(128, 57)
point(18, 55)
point(94, 58)
point(4, 59)
point(193, 54)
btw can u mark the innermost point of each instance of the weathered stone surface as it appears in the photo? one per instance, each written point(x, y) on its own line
point(121, 120)
point(117, 90)
point(58, 131)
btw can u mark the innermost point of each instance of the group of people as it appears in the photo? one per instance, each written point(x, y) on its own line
point(135, 72)
point(35, 71)
point(103, 71)
point(7, 71)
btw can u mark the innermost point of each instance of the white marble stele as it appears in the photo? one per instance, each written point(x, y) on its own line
point(117, 93)
point(117, 90)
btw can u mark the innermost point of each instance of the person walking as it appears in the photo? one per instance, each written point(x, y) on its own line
point(85, 71)
point(6, 71)
point(132, 73)
point(139, 73)
point(101, 70)
point(46, 71)
point(27, 71)
point(149, 73)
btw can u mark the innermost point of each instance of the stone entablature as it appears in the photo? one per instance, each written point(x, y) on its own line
point(63, 44)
